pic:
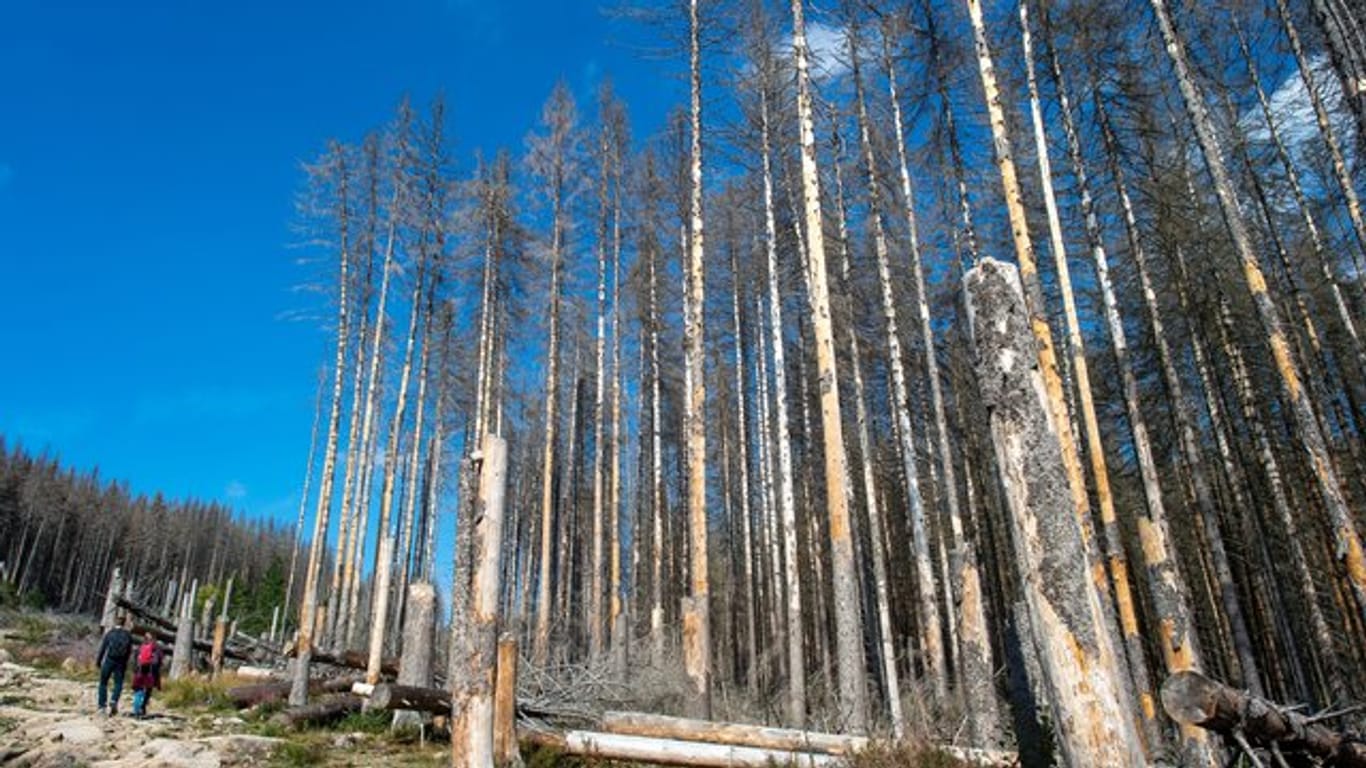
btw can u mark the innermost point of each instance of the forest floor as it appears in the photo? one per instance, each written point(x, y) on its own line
point(48, 717)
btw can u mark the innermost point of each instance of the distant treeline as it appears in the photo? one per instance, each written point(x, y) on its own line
point(62, 533)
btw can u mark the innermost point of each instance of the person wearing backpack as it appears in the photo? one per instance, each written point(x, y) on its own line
point(146, 674)
point(112, 660)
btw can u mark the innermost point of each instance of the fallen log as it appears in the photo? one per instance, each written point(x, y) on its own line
point(764, 737)
point(244, 696)
point(327, 709)
point(615, 746)
point(144, 613)
point(394, 696)
point(738, 734)
point(1190, 697)
point(349, 660)
point(255, 673)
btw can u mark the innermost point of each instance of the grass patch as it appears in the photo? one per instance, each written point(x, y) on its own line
point(197, 692)
point(8, 724)
point(298, 754)
point(375, 721)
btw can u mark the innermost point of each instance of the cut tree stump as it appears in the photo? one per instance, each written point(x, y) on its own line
point(1190, 697)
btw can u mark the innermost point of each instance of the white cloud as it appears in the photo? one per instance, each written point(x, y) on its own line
point(829, 48)
point(1295, 120)
point(236, 490)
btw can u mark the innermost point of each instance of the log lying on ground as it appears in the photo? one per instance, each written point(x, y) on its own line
point(244, 696)
point(256, 673)
point(325, 710)
point(394, 696)
point(764, 737)
point(615, 746)
point(350, 660)
point(1190, 697)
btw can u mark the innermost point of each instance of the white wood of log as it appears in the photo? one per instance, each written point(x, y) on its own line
point(765, 737)
point(255, 673)
point(738, 734)
point(615, 746)
point(363, 689)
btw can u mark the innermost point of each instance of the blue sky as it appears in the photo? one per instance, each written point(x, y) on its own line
point(149, 157)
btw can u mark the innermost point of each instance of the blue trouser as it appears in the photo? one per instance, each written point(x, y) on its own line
point(115, 669)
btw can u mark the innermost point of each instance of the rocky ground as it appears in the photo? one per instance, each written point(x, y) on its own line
point(48, 717)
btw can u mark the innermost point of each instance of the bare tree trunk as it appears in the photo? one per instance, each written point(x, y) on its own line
point(1349, 548)
point(927, 604)
point(852, 705)
point(697, 608)
point(878, 554)
point(594, 607)
point(772, 556)
point(541, 637)
point(618, 622)
point(751, 653)
point(415, 661)
point(303, 495)
point(298, 694)
point(796, 679)
point(656, 478)
point(472, 691)
point(379, 622)
point(1033, 297)
point(1083, 686)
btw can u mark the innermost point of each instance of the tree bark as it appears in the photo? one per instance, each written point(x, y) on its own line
point(852, 706)
point(1083, 685)
point(697, 613)
point(472, 715)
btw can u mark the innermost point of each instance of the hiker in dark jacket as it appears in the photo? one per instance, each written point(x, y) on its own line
point(112, 659)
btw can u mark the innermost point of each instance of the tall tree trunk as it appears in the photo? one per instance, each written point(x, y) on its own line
point(298, 694)
point(852, 707)
point(927, 604)
point(1083, 686)
point(796, 679)
point(541, 638)
point(878, 553)
point(697, 609)
point(656, 476)
point(1349, 548)
point(751, 652)
point(1115, 553)
point(303, 494)
point(1033, 296)
point(379, 625)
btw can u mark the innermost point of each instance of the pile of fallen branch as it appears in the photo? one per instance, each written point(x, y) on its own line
point(1254, 723)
